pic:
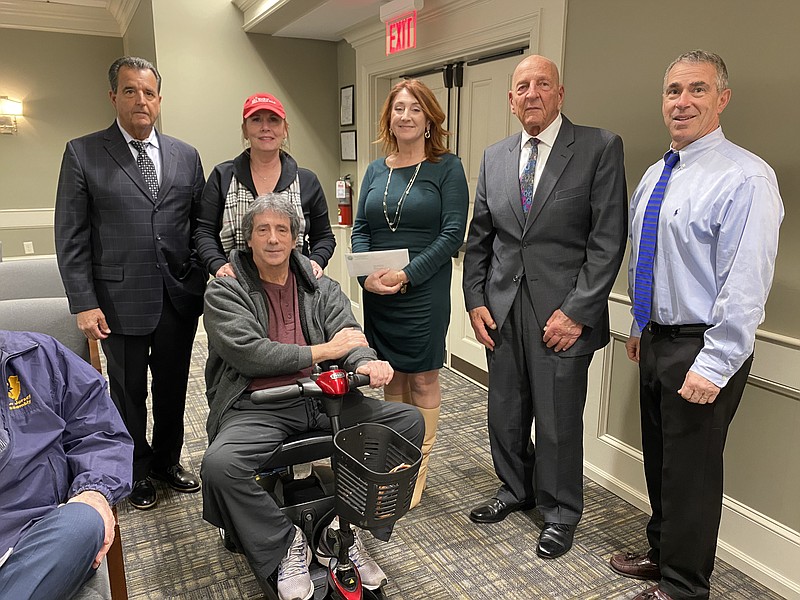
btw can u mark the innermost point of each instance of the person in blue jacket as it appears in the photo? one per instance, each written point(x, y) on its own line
point(65, 460)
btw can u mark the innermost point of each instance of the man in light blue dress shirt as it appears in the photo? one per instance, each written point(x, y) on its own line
point(717, 238)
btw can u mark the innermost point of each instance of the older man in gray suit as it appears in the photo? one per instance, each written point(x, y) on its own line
point(550, 212)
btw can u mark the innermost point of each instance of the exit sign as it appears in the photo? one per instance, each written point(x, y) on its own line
point(401, 33)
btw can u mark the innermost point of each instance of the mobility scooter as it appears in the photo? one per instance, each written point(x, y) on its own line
point(369, 484)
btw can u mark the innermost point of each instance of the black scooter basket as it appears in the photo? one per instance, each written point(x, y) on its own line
point(367, 493)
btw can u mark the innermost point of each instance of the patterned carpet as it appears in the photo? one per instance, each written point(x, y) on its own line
point(436, 553)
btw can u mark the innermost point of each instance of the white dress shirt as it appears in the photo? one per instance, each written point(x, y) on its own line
point(715, 255)
point(547, 137)
point(150, 145)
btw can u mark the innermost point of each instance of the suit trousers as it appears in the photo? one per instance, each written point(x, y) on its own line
point(53, 558)
point(683, 445)
point(167, 351)
point(530, 385)
point(247, 438)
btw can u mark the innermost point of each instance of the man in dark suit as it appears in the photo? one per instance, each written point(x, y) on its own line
point(124, 250)
point(550, 212)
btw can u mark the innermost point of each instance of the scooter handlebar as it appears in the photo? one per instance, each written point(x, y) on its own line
point(357, 380)
point(303, 388)
point(282, 392)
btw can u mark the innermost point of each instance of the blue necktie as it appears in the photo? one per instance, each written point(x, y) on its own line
point(643, 284)
point(526, 179)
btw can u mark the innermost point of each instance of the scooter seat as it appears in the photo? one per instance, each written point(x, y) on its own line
point(301, 448)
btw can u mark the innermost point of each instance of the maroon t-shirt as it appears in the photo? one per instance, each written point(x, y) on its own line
point(284, 327)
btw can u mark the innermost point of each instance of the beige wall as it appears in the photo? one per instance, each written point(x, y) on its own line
point(210, 66)
point(616, 53)
point(346, 64)
point(139, 39)
point(61, 79)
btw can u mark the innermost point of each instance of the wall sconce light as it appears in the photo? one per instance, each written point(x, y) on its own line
point(9, 111)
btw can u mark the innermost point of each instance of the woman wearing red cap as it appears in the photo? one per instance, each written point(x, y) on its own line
point(264, 167)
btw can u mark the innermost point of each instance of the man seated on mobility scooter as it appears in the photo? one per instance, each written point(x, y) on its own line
point(266, 327)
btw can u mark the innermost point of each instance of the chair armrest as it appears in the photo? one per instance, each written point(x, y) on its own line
point(116, 563)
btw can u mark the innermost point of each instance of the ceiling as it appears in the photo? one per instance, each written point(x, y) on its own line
point(311, 19)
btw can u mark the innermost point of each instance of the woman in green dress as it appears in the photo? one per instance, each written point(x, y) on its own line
point(415, 198)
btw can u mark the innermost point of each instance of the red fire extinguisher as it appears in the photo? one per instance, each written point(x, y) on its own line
point(344, 197)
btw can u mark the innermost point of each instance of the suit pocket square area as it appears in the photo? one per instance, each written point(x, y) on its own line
point(571, 193)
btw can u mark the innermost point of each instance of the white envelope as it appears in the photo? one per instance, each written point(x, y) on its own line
point(364, 263)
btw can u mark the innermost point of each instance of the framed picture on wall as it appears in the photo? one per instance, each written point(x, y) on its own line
point(347, 114)
point(348, 139)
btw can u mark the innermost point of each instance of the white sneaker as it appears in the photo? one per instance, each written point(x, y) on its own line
point(294, 582)
point(372, 576)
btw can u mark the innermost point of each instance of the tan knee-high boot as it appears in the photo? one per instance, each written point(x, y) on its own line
point(431, 417)
point(405, 397)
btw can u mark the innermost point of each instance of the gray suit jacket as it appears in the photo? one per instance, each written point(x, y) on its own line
point(118, 248)
point(569, 248)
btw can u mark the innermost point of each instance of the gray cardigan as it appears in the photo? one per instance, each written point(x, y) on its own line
point(236, 322)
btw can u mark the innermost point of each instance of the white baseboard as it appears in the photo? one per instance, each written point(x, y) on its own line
point(744, 533)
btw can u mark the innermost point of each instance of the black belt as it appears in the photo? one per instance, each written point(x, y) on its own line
point(693, 330)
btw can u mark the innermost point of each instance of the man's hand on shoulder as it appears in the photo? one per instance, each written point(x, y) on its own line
point(697, 389)
point(93, 324)
point(480, 318)
point(380, 372)
point(561, 332)
point(339, 345)
point(97, 501)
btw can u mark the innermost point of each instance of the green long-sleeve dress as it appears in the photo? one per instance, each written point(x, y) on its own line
point(408, 330)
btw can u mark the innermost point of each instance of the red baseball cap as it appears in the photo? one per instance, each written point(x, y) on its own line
point(258, 102)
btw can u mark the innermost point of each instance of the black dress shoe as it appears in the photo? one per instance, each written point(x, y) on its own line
point(177, 478)
point(555, 540)
point(495, 511)
point(143, 496)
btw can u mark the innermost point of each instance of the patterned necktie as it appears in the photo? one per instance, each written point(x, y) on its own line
point(526, 179)
point(643, 283)
point(147, 168)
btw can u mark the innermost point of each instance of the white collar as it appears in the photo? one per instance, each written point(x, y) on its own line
point(547, 136)
point(151, 139)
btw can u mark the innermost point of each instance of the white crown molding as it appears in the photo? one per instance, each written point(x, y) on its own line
point(61, 18)
point(256, 11)
point(123, 11)
point(245, 5)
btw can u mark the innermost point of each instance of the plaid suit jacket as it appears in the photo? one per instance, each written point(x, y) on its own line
point(118, 248)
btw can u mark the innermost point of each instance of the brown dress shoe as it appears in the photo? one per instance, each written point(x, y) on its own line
point(636, 566)
point(653, 593)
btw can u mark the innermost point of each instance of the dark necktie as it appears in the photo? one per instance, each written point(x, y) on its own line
point(526, 179)
point(643, 283)
point(147, 168)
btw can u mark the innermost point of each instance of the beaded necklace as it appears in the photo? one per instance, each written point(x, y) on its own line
point(394, 223)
